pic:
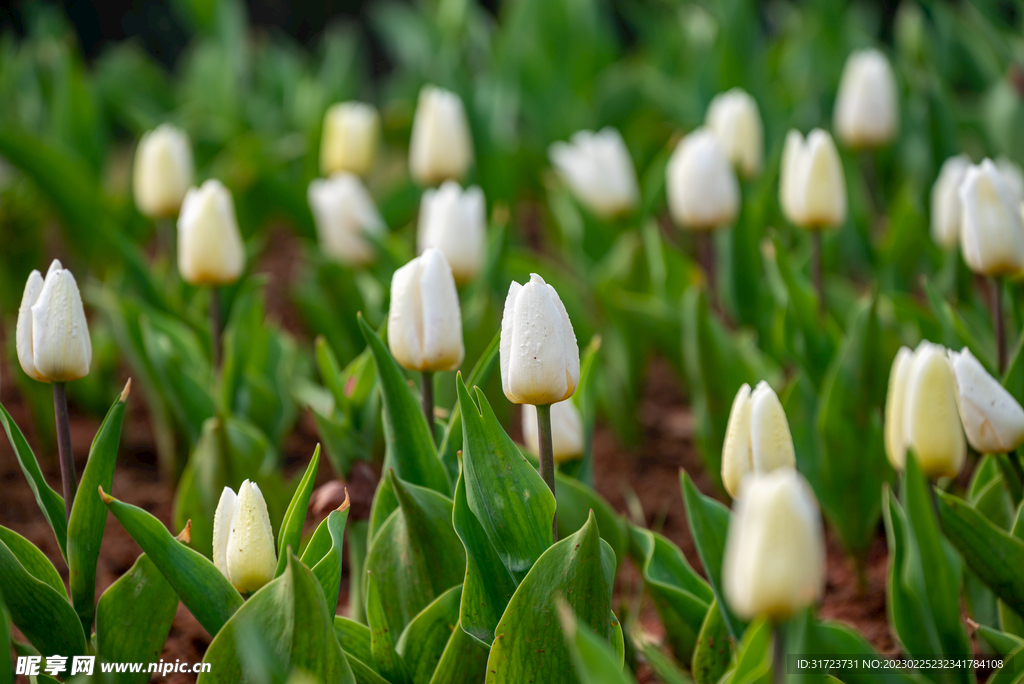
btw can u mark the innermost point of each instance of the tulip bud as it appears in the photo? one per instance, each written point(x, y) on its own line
point(243, 540)
point(1013, 175)
point(52, 336)
point(757, 437)
point(566, 431)
point(455, 221)
point(774, 561)
point(946, 201)
point(866, 110)
point(734, 118)
point(163, 171)
point(703, 193)
point(812, 186)
point(441, 146)
point(425, 323)
point(991, 226)
point(539, 357)
point(345, 214)
point(349, 139)
point(992, 418)
point(598, 170)
point(921, 412)
point(210, 248)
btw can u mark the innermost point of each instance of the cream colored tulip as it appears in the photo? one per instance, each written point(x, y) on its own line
point(598, 170)
point(991, 226)
point(702, 190)
point(992, 418)
point(735, 120)
point(566, 431)
point(774, 562)
point(345, 216)
point(757, 437)
point(349, 139)
point(945, 201)
point(867, 108)
point(455, 221)
point(812, 185)
point(210, 247)
point(163, 171)
point(895, 448)
point(441, 147)
point(538, 353)
point(243, 540)
point(425, 322)
point(52, 335)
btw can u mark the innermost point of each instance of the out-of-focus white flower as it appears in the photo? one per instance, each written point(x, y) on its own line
point(702, 190)
point(210, 247)
point(345, 215)
point(735, 120)
point(599, 171)
point(757, 438)
point(946, 201)
point(867, 110)
point(441, 147)
point(992, 418)
point(566, 431)
point(425, 322)
point(243, 540)
point(163, 171)
point(812, 185)
point(455, 221)
point(1013, 175)
point(991, 225)
point(349, 139)
point(52, 336)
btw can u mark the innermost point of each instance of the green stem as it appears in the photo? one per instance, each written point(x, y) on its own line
point(778, 655)
point(706, 255)
point(999, 323)
point(816, 273)
point(215, 327)
point(547, 454)
point(427, 397)
point(67, 457)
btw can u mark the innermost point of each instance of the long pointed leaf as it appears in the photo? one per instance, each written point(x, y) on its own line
point(290, 533)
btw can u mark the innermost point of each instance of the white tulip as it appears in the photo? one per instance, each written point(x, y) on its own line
point(735, 120)
point(703, 193)
point(566, 431)
point(992, 418)
point(539, 357)
point(349, 139)
point(946, 201)
point(598, 170)
point(345, 215)
point(895, 448)
point(774, 562)
point(991, 226)
point(243, 540)
point(1013, 175)
point(52, 336)
point(441, 146)
point(210, 247)
point(867, 110)
point(163, 171)
point(757, 437)
point(425, 322)
point(812, 185)
point(455, 221)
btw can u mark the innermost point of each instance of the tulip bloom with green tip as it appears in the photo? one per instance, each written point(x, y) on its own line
point(757, 438)
point(992, 418)
point(243, 540)
point(52, 335)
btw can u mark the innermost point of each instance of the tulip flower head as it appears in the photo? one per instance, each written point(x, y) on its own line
point(812, 185)
point(566, 430)
point(349, 139)
point(441, 146)
point(425, 322)
point(455, 221)
point(992, 418)
point(243, 540)
point(735, 120)
point(991, 226)
point(52, 336)
point(163, 171)
point(703, 193)
point(757, 438)
point(774, 562)
point(921, 412)
point(945, 201)
point(598, 170)
point(210, 247)
point(345, 215)
point(539, 357)
point(867, 111)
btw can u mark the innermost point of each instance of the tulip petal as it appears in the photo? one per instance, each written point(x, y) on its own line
point(443, 349)
point(405, 322)
point(895, 443)
point(23, 332)
point(222, 527)
point(992, 418)
point(505, 342)
point(736, 461)
point(771, 444)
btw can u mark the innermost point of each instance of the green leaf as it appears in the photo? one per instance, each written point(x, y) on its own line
point(1009, 673)
point(410, 443)
point(50, 502)
point(133, 618)
point(529, 644)
point(955, 333)
point(464, 660)
point(451, 441)
point(425, 638)
point(752, 659)
point(207, 594)
point(357, 542)
point(1010, 620)
point(1002, 643)
point(32, 559)
point(324, 552)
point(575, 502)
point(593, 657)
point(289, 535)
point(354, 638)
point(713, 650)
point(6, 664)
point(382, 643)
point(89, 515)
point(836, 639)
point(291, 616)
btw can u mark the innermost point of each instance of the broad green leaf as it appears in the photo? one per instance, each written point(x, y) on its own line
point(207, 594)
point(386, 659)
point(576, 500)
point(50, 502)
point(752, 659)
point(1010, 620)
point(464, 660)
point(6, 663)
point(713, 651)
point(133, 618)
point(354, 639)
point(594, 659)
point(451, 441)
point(324, 552)
point(89, 515)
point(357, 547)
point(955, 332)
point(1002, 643)
point(425, 638)
point(836, 639)
point(1011, 670)
point(32, 559)
point(586, 399)
point(289, 535)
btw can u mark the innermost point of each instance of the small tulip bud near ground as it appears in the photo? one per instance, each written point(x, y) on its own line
point(52, 336)
point(866, 110)
point(945, 201)
point(345, 215)
point(441, 147)
point(735, 120)
point(992, 418)
point(243, 540)
point(210, 248)
point(703, 193)
point(598, 170)
point(163, 171)
point(566, 430)
point(349, 139)
point(757, 438)
point(774, 563)
point(455, 221)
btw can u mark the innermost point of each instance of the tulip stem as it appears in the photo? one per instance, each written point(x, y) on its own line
point(997, 319)
point(778, 655)
point(427, 397)
point(215, 327)
point(67, 457)
point(547, 454)
point(706, 255)
point(816, 274)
